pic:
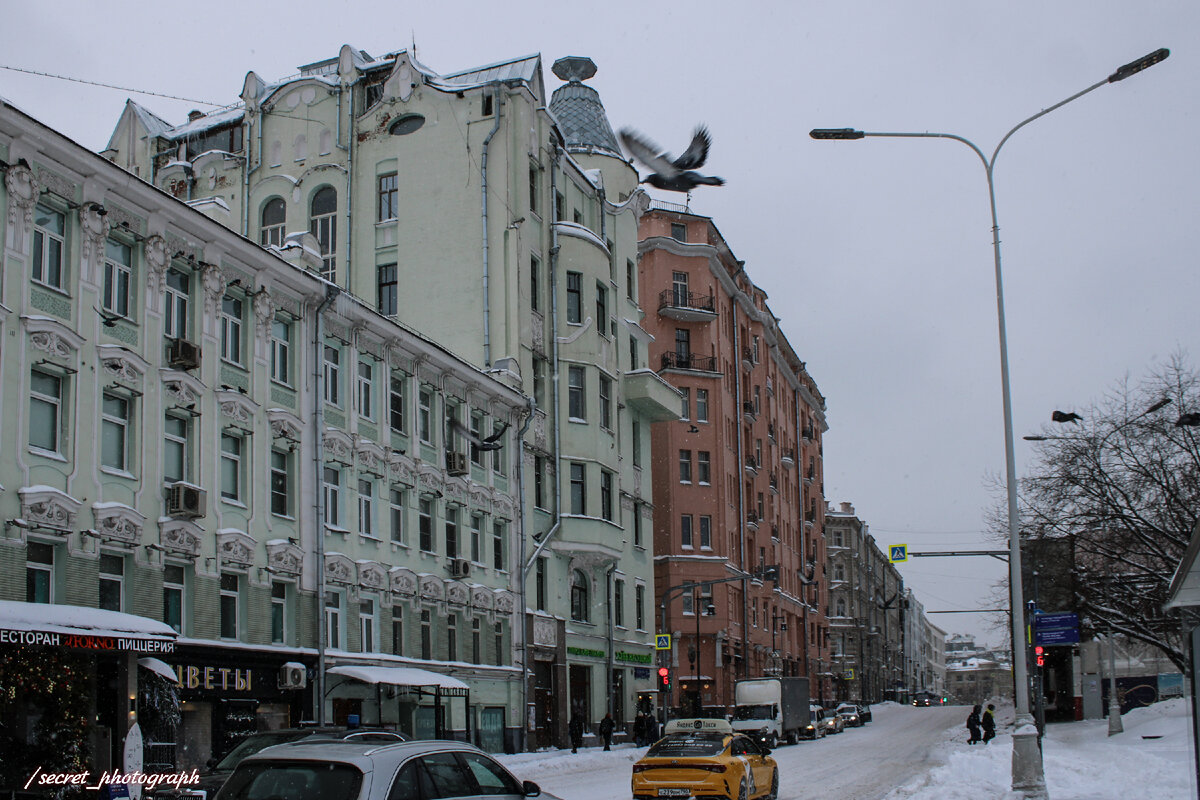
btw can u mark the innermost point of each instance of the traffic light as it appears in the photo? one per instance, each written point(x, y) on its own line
point(1040, 653)
point(664, 678)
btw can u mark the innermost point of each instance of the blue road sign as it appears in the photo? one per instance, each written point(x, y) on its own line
point(662, 641)
point(1065, 619)
point(897, 552)
point(1055, 636)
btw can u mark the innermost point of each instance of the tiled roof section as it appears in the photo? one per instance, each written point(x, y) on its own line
point(582, 119)
point(524, 68)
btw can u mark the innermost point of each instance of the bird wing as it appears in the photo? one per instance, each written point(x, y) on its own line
point(648, 153)
point(464, 431)
point(697, 152)
point(497, 434)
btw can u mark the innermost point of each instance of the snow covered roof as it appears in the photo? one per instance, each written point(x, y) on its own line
point(154, 124)
point(78, 620)
point(398, 676)
point(524, 68)
point(216, 119)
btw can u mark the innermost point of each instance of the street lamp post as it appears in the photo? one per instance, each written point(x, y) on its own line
point(1028, 777)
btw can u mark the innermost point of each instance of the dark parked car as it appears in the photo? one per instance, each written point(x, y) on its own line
point(219, 771)
point(864, 713)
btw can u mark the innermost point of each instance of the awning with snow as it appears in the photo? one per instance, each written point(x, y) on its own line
point(1184, 590)
point(82, 628)
point(403, 676)
point(159, 667)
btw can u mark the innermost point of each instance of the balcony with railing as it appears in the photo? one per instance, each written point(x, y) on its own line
point(747, 357)
point(749, 411)
point(788, 457)
point(686, 306)
point(774, 483)
point(752, 464)
point(689, 362)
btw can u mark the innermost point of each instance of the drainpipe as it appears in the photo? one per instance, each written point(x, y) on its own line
point(483, 190)
point(524, 727)
point(331, 293)
point(608, 593)
point(741, 462)
point(349, 148)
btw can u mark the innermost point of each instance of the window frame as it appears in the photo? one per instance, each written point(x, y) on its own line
point(281, 350)
point(365, 389)
point(366, 507)
point(229, 614)
point(230, 337)
point(117, 282)
point(122, 425)
point(177, 302)
point(273, 232)
point(232, 460)
point(387, 194)
point(331, 495)
point(574, 307)
point(55, 404)
point(40, 268)
point(576, 393)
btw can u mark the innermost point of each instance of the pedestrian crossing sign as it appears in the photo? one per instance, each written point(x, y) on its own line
point(662, 641)
point(897, 552)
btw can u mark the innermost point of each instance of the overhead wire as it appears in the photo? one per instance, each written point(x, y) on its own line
point(109, 85)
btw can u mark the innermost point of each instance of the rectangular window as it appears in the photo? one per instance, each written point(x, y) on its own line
point(388, 286)
point(281, 350)
point(499, 545)
point(686, 394)
point(231, 467)
point(175, 308)
point(477, 433)
point(637, 524)
point(278, 611)
point(333, 619)
point(606, 495)
point(425, 415)
point(539, 382)
point(535, 283)
point(619, 603)
point(639, 606)
point(332, 486)
point(231, 329)
point(45, 410)
point(540, 585)
point(396, 515)
point(477, 538)
point(49, 227)
point(683, 348)
point(389, 188)
point(679, 231)
point(705, 532)
point(425, 523)
point(366, 507)
point(324, 227)
point(476, 642)
point(576, 388)
point(114, 432)
point(39, 573)
point(574, 297)
point(498, 456)
point(397, 629)
point(703, 467)
point(230, 591)
point(605, 403)
point(397, 407)
point(578, 489)
point(634, 360)
point(560, 206)
point(533, 188)
point(602, 310)
point(452, 637)
point(367, 626)
point(280, 483)
point(118, 274)
point(635, 442)
point(630, 280)
point(366, 390)
point(112, 582)
point(685, 530)
point(426, 635)
point(173, 596)
point(702, 405)
point(452, 531)
point(685, 466)
point(333, 375)
point(539, 482)
point(500, 651)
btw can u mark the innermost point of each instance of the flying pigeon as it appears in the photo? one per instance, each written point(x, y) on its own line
point(1063, 416)
point(668, 173)
point(1191, 420)
point(490, 443)
point(108, 320)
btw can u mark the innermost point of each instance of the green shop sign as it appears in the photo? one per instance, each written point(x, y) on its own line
point(628, 658)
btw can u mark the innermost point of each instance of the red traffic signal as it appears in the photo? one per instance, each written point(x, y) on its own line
point(1040, 652)
point(664, 676)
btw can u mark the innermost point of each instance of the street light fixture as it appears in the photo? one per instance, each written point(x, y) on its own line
point(1028, 777)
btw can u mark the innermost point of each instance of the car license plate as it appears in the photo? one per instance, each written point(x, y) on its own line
point(674, 792)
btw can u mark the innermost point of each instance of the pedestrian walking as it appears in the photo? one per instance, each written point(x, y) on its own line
point(606, 730)
point(973, 725)
point(639, 729)
point(651, 729)
point(575, 730)
point(989, 724)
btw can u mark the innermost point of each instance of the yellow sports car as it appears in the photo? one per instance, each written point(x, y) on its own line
point(703, 759)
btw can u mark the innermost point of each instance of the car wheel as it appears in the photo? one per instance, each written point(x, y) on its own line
point(742, 790)
point(772, 742)
point(774, 793)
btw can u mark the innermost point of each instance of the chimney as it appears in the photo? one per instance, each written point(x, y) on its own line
point(847, 508)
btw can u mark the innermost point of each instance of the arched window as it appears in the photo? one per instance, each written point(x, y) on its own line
point(273, 224)
point(841, 607)
point(323, 224)
point(579, 597)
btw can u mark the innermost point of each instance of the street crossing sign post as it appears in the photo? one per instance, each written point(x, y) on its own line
point(897, 553)
point(662, 641)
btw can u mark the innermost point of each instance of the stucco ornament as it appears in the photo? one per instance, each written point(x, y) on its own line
point(264, 309)
point(214, 288)
point(284, 558)
point(22, 193)
point(94, 221)
point(156, 263)
point(50, 342)
point(404, 581)
point(180, 536)
point(235, 548)
point(120, 522)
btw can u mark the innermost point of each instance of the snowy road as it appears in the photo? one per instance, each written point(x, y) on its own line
point(864, 763)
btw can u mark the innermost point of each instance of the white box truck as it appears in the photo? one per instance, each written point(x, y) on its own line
point(771, 709)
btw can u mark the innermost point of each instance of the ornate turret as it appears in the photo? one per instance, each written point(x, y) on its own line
point(578, 109)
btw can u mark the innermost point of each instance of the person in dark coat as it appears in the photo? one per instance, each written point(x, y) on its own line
point(989, 724)
point(639, 729)
point(651, 729)
point(973, 723)
point(606, 730)
point(575, 731)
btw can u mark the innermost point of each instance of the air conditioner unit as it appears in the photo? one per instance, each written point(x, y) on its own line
point(293, 676)
point(460, 568)
point(456, 463)
point(185, 500)
point(183, 354)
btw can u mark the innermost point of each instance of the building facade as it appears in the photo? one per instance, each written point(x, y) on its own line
point(217, 449)
point(501, 223)
point(866, 612)
point(738, 476)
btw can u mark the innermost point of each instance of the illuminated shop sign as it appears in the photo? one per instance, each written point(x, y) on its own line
point(130, 644)
point(225, 679)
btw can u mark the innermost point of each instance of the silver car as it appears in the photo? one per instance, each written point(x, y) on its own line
point(336, 770)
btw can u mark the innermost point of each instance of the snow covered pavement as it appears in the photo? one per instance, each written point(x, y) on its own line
point(922, 753)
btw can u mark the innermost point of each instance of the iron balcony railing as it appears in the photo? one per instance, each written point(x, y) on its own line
point(677, 298)
point(673, 360)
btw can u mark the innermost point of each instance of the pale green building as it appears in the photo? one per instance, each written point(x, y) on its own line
point(501, 223)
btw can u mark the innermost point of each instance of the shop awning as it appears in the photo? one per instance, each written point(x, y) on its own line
point(80, 627)
point(400, 676)
point(159, 667)
point(1184, 590)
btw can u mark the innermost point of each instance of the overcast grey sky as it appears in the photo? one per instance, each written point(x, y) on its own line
point(876, 254)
